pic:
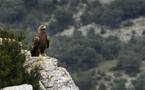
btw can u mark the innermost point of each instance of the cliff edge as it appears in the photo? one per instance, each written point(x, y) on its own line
point(52, 76)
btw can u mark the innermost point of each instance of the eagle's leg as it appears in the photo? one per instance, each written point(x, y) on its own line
point(40, 55)
point(45, 51)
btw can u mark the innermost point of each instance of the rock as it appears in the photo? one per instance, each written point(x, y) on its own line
point(52, 76)
point(20, 87)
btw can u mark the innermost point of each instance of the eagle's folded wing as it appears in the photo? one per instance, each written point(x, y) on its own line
point(48, 42)
point(35, 42)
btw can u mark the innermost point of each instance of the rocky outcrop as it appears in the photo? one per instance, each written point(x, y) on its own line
point(20, 87)
point(53, 77)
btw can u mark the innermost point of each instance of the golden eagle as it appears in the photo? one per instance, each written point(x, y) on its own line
point(40, 42)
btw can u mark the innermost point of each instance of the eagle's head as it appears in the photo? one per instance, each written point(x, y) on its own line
point(41, 27)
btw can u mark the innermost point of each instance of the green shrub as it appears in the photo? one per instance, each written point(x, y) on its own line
point(30, 4)
point(107, 78)
point(116, 81)
point(143, 33)
point(63, 2)
point(132, 75)
point(128, 24)
point(12, 71)
point(99, 72)
point(55, 28)
point(32, 22)
point(140, 82)
point(117, 74)
point(133, 32)
point(103, 74)
point(84, 81)
point(129, 61)
point(46, 5)
point(119, 85)
point(64, 17)
point(102, 87)
point(102, 31)
point(98, 78)
point(133, 82)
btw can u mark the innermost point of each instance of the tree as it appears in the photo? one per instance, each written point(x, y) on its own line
point(63, 2)
point(86, 18)
point(64, 17)
point(140, 82)
point(107, 17)
point(32, 22)
point(46, 5)
point(111, 47)
point(102, 87)
point(129, 61)
point(12, 71)
point(55, 28)
point(29, 4)
point(120, 85)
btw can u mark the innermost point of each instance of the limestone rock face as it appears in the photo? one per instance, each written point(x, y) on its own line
point(52, 76)
point(20, 87)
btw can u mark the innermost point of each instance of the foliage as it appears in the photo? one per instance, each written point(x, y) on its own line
point(12, 11)
point(143, 33)
point(64, 17)
point(63, 2)
point(85, 81)
point(6, 34)
point(32, 22)
point(79, 53)
point(139, 84)
point(29, 4)
point(128, 24)
point(83, 53)
point(46, 5)
point(129, 61)
point(111, 49)
point(120, 9)
point(120, 85)
point(102, 87)
point(16, 11)
point(12, 71)
point(54, 28)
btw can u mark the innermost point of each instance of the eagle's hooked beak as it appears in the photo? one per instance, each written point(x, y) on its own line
point(44, 27)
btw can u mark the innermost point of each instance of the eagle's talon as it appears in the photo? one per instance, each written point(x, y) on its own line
point(40, 55)
point(45, 55)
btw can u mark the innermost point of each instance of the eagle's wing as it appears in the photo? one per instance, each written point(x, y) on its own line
point(48, 42)
point(35, 42)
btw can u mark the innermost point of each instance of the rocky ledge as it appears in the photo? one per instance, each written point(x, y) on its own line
point(19, 87)
point(52, 76)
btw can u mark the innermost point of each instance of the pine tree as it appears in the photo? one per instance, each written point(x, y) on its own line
point(12, 71)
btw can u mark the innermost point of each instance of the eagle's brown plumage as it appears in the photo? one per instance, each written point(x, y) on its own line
point(40, 42)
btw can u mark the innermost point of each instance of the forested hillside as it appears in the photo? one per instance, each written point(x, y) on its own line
point(88, 57)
